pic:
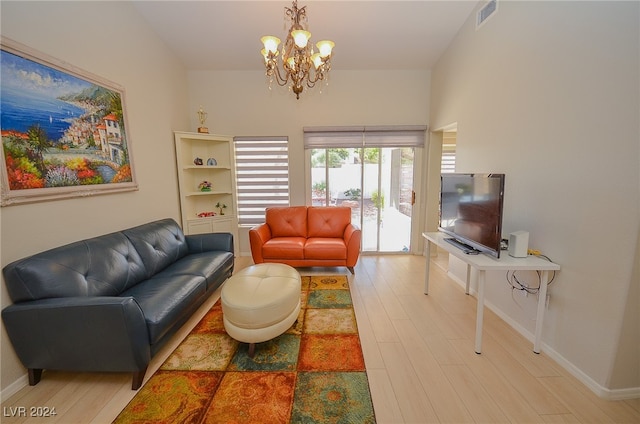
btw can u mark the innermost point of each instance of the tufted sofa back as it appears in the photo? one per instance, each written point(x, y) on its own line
point(328, 221)
point(158, 243)
point(101, 266)
point(311, 221)
point(287, 221)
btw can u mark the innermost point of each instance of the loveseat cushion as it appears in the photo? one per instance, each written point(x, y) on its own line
point(287, 221)
point(328, 222)
point(325, 248)
point(167, 300)
point(100, 266)
point(159, 243)
point(284, 247)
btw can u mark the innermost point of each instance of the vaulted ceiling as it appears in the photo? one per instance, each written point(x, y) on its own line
point(372, 35)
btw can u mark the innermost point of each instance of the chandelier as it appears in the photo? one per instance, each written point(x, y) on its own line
point(300, 65)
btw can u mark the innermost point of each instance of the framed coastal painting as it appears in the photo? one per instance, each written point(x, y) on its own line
point(63, 130)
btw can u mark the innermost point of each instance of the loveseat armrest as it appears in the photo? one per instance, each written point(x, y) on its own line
point(208, 242)
point(93, 334)
point(352, 238)
point(258, 236)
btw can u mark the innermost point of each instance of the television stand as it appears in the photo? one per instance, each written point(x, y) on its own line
point(462, 246)
point(484, 263)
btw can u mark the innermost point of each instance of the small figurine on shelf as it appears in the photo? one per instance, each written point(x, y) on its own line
point(204, 186)
point(202, 116)
point(197, 161)
point(220, 207)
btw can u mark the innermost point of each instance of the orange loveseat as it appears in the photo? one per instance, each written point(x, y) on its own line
point(302, 236)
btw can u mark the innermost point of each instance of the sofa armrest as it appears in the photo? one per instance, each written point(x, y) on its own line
point(352, 238)
point(199, 243)
point(79, 333)
point(258, 236)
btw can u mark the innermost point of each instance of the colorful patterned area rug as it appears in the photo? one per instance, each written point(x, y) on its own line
point(313, 373)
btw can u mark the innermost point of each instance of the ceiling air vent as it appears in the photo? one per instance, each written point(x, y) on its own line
point(486, 12)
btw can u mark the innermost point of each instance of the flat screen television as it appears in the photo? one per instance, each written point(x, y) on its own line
point(471, 211)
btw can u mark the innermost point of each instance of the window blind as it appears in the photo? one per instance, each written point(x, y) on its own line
point(448, 163)
point(262, 176)
point(371, 136)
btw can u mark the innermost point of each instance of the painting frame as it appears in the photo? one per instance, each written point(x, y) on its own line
point(82, 148)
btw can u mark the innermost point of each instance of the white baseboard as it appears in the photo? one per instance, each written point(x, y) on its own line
point(622, 394)
point(595, 387)
point(14, 387)
point(598, 389)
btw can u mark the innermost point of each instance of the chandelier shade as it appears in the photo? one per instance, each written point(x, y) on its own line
point(299, 65)
point(325, 47)
point(301, 37)
point(270, 43)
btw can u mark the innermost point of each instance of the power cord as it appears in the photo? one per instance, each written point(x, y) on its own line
point(516, 284)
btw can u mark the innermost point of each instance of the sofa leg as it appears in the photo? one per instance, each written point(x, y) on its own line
point(138, 378)
point(252, 350)
point(350, 268)
point(35, 374)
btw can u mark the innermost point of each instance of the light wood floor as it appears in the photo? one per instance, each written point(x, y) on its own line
point(419, 352)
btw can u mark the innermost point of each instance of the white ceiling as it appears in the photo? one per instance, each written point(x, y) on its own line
point(383, 35)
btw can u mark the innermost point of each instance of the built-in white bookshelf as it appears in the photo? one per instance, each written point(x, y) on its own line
point(206, 158)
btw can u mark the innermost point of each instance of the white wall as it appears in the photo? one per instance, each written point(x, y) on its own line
point(110, 40)
point(240, 104)
point(547, 92)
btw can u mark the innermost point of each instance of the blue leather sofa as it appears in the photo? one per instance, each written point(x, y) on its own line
point(109, 303)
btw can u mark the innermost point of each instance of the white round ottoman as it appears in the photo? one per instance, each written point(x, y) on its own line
point(260, 302)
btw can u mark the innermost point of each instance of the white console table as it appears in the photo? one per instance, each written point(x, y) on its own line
point(483, 263)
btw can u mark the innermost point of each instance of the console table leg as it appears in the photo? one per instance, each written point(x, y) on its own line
point(467, 279)
point(427, 250)
point(542, 303)
point(479, 310)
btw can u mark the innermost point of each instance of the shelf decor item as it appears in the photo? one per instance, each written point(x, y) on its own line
point(212, 162)
point(221, 207)
point(60, 140)
point(204, 186)
point(197, 161)
point(202, 116)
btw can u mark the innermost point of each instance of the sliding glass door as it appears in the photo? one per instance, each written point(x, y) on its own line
point(376, 183)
